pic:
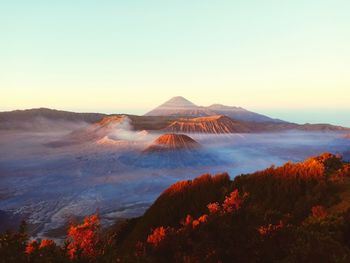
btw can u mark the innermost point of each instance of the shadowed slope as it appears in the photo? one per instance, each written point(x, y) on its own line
point(283, 198)
point(182, 198)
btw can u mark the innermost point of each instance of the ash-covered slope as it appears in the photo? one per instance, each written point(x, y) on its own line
point(172, 142)
point(217, 124)
point(170, 151)
point(100, 129)
point(94, 132)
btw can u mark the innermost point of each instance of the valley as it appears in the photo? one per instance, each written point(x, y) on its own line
point(55, 169)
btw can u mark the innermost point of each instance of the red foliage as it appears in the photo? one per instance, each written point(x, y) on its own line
point(83, 238)
point(201, 219)
point(231, 203)
point(31, 247)
point(157, 236)
point(319, 212)
point(188, 220)
point(213, 208)
point(47, 243)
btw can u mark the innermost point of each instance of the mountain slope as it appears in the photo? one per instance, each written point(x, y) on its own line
point(241, 114)
point(179, 106)
point(172, 142)
point(24, 115)
point(36, 118)
point(93, 132)
point(298, 208)
point(171, 206)
point(286, 126)
point(216, 124)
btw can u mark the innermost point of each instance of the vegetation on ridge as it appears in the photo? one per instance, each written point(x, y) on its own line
point(298, 212)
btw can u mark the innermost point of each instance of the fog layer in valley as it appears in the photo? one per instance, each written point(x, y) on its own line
point(48, 184)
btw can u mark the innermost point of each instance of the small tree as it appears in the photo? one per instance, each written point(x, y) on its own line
point(83, 240)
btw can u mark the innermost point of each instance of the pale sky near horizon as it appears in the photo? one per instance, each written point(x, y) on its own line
point(290, 59)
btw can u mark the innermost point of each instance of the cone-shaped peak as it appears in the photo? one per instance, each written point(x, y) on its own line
point(179, 101)
point(172, 141)
point(177, 106)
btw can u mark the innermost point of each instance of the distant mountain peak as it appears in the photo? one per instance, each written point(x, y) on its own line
point(179, 101)
point(178, 106)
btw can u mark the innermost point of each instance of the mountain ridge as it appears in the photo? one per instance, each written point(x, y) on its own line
point(181, 107)
point(244, 121)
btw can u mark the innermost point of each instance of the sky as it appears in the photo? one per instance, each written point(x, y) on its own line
point(288, 59)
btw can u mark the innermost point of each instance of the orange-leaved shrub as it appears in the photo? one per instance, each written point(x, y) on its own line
point(83, 238)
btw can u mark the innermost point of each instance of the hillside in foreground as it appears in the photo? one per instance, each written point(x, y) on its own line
point(299, 212)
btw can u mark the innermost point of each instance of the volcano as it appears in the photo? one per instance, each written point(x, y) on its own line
point(171, 151)
point(217, 124)
point(100, 129)
point(94, 132)
point(172, 142)
point(179, 107)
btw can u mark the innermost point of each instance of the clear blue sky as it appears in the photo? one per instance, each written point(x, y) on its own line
point(285, 58)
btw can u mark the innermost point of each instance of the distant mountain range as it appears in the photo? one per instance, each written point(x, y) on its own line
point(44, 119)
point(25, 115)
point(181, 107)
point(177, 115)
